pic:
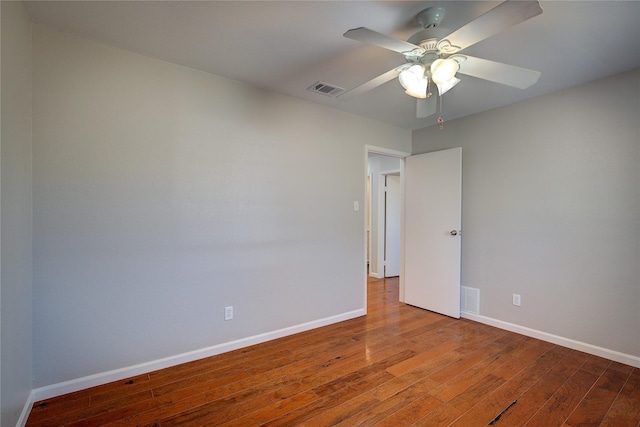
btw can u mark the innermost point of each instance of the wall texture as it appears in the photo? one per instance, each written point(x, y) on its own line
point(551, 210)
point(15, 213)
point(163, 194)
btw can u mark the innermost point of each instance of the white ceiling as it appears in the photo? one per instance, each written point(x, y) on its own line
point(286, 46)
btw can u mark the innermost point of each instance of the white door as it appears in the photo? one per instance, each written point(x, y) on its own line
point(433, 202)
point(393, 202)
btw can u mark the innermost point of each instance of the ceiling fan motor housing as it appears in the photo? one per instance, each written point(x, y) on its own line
point(428, 40)
point(429, 37)
point(431, 17)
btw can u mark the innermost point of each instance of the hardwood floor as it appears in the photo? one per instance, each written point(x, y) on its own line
point(397, 366)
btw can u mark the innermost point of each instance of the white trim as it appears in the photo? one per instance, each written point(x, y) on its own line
point(395, 171)
point(22, 421)
point(385, 151)
point(367, 223)
point(70, 386)
point(380, 185)
point(617, 356)
point(378, 274)
point(382, 220)
point(402, 228)
point(367, 238)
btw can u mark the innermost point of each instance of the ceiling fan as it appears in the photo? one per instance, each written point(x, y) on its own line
point(435, 58)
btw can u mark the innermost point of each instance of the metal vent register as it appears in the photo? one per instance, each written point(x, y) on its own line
point(325, 89)
point(470, 299)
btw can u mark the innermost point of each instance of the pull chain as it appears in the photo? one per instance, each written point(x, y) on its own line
point(440, 119)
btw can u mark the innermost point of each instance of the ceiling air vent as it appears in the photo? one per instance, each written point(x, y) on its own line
point(325, 89)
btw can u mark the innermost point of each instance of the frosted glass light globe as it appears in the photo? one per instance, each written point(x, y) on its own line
point(443, 70)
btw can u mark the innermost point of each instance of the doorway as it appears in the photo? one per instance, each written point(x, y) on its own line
point(383, 234)
point(391, 220)
point(442, 171)
point(380, 163)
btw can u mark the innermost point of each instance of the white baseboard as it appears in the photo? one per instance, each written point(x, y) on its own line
point(59, 389)
point(627, 359)
point(22, 421)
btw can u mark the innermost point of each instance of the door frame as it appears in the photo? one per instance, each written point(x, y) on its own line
point(382, 215)
point(377, 269)
point(390, 153)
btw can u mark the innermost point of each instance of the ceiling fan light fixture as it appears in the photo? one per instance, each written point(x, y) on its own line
point(446, 86)
point(420, 89)
point(432, 56)
point(409, 78)
point(413, 81)
point(443, 70)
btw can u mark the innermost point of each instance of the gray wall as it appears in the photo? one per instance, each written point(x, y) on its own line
point(15, 213)
point(551, 205)
point(163, 194)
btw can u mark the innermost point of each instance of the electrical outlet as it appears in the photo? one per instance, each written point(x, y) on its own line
point(228, 313)
point(516, 300)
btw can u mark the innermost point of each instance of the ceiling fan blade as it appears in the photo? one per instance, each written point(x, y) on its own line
point(497, 72)
point(426, 107)
point(501, 17)
point(371, 84)
point(368, 36)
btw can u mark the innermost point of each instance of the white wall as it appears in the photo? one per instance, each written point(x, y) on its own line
point(15, 213)
point(551, 210)
point(163, 194)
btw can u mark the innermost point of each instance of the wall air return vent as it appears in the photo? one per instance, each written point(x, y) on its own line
point(470, 299)
point(325, 89)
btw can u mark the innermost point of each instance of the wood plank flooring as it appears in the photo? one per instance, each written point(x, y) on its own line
point(397, 366)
